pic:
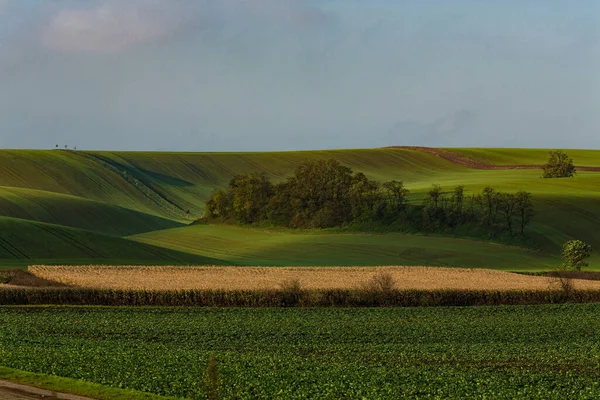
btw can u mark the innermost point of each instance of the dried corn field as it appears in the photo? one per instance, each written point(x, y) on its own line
point(253, 278)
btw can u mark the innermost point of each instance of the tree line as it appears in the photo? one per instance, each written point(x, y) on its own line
point(324, 194)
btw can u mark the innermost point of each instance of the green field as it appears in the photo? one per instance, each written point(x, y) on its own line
point(26, 243)
point(587, 158)
point(124, 198)
point(243, 246)
point(536, 352)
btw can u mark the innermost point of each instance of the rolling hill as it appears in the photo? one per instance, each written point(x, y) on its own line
point(128, 199)
point(26, 243)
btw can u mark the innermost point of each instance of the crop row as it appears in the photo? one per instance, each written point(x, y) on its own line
point(289, 297)
point(549, 351)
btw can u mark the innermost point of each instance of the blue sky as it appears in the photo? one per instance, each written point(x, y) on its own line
point(216, 75)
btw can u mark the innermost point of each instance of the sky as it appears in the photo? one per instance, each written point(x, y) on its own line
point(259, 75)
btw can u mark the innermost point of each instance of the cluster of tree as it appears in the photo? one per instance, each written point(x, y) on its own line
point(559, 165)
point(321, 194)
point(324, 194)
point(497, 211)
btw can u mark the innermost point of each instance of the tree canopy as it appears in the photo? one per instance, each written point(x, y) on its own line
point(324, 194)
point(559, 165)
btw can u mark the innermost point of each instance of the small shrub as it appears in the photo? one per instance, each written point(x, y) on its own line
point(6, 277)
point(382, 282)
point(291, 292)
point(564, 282)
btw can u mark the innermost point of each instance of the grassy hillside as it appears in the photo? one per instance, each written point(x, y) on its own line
point(588, 158)
point(77, 212)
point(243, 246)
point(26, 243)
point(127, 193)
point(169, 184)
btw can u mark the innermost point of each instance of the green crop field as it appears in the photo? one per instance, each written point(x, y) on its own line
point(243, 246)
point(535, 352)
point(588, 158)
point(26, 243)
point(139, 197)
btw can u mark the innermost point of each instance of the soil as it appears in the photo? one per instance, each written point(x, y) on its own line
point(477, 164)
point(24, 278)
point(14, 391)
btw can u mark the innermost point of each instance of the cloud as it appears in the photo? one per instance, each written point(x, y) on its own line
point(112, 26)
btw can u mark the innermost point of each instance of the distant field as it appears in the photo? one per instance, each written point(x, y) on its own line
point(589, 158)
point(530, 352)
point(139, 197)
point(259, 278)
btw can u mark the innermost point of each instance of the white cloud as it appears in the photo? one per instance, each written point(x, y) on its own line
point(111, 26)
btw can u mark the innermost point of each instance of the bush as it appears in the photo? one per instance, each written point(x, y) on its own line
point(559, 165)
point(381, 282)
point(291, 293)
point(5, 277)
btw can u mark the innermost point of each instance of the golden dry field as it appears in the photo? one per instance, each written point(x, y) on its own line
point(252, 278)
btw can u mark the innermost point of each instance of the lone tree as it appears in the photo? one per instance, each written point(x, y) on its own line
point(524, 210)
point(559, 165)
point(575, 254)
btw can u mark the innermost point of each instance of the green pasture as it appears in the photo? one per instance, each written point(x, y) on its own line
point(150, 197)
point(244, 246)
point(78, 212)
point(588, 158)
point(26, 243)
point(502, 352)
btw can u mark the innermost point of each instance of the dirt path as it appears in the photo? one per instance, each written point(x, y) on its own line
point(477, 164)
point(15, 391)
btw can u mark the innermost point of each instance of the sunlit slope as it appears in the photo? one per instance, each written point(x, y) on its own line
point(25, 243)
point(188, 179)
point(125, 191)
point(589, 158)
point(72, 173)
point(243, 246)
point(565, 208)
point(173, 184)
point(77, 212)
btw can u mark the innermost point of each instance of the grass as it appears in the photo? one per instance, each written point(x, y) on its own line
point(74, 386)
point(508, 156)
point(537, 352)
point(260, 278)
point(130, 193)
point(25, 243)
point(243, 246)
point(77, 212)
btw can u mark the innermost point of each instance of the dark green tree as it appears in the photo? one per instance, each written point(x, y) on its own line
point(251, 195)
point(508, 208)
point(524, 208)
point(559, 165)
point(575, 254)
point(488, 201)
point(396, 194)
